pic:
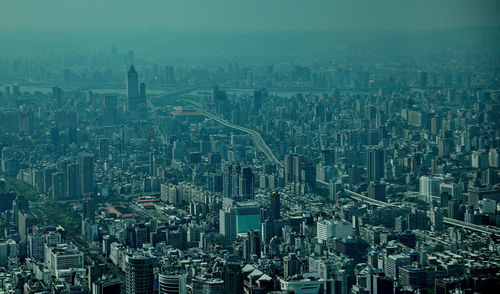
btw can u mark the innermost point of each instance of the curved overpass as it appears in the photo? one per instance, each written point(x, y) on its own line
point(256, 137)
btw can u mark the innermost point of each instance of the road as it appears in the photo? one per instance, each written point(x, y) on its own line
point(256, 137)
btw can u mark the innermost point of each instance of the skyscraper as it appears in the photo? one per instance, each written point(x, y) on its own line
point(169, 75)
point(110, 104)
point(375, 163)
point(89, 209)
point(291, 265)
point(132, 83)
point(86, 163)
point(104, 148)
point(238, 217)
point(139, 276)
point(246, 184)
point(59, 186)
point(133, 95)
point(253, 245)
point(275, 205)
point(73, 180)
point(20, 205)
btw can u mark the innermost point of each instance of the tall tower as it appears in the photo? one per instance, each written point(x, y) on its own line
point(375, 163)
point(132, 83)
point(139, 276)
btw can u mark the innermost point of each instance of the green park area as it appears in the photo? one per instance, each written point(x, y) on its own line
point(46, 209)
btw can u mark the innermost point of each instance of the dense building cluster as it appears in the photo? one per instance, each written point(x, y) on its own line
point(312, 177)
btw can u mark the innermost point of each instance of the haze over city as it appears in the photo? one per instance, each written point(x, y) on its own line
point(306, 147)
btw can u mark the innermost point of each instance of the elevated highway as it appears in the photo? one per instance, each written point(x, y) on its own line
point(256, 137)
point(446, 220)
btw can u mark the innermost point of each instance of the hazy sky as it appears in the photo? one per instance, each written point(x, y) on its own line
point(248, 14)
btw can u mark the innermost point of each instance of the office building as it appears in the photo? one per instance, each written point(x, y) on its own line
point(59, 186)
point(246, 183)
point(375, 163)
point(62, 258)
point(104, 148)
point(73, 190)
point(275, 205)
point(327, 229)
point(86, 164)
point(139, 276)
point(291, 265)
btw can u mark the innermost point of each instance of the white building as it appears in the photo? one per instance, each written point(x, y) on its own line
point(326, 229)
point(493, 158)
point(172, 284)
point(309, 283)
point(480, 159)
point(429, 187)
point(62, 258)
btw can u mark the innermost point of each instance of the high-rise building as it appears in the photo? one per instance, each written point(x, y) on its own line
point(299, 169)
point(275, 205)
point(233, 279)
point(142, 92)
point(133, 96)
point(62, 258)
point(36, 246)
point(57, 94)
point(20, 205)
point(139, 276)
point(89, 209)
point(110, 104)
point(238, 217)
point(169, 75)
point(104, 148)
point(326, 229)
point(253, 244)
point(291, 265)
point(376, 190)
point(141, 236)
point(246, 184)
point(59, 186)
point(445, 143)
point(73, 180)
point(257, 100)
point(429, 187)
point(375, 163)
point(86, 163)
